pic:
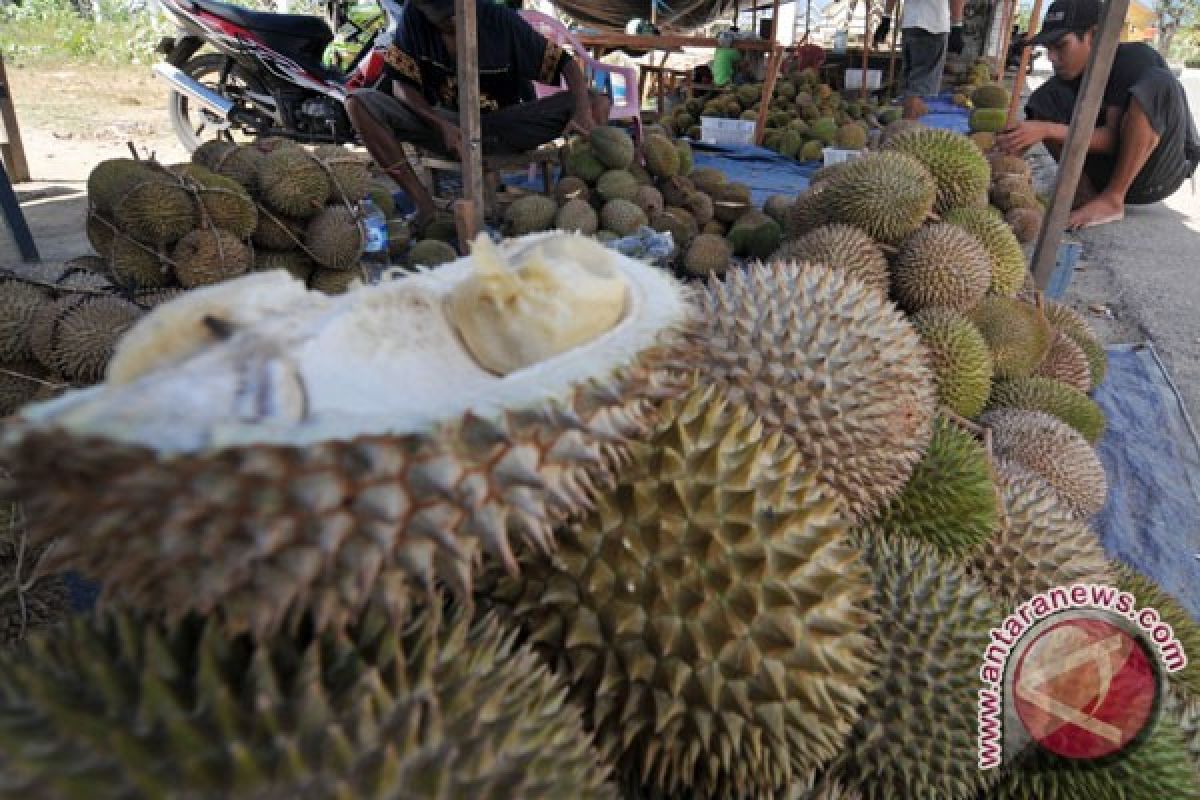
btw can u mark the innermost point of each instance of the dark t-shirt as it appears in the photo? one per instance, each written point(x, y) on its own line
point(1130, 63)
point(511, 55)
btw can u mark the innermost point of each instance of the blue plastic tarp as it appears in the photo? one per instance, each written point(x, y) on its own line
point(1151, 455)
point(764, 171)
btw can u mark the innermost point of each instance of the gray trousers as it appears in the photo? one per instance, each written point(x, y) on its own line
point(1164, 101)
point(924, 58)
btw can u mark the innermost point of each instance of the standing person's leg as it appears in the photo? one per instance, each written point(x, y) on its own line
point(383, 123)
point(1151, 161)
point(925, 58)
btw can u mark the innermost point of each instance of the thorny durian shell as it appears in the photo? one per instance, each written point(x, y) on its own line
point(257, 503)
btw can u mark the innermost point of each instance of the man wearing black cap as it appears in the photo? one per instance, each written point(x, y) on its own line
point(1145, 144)
point(416, 101)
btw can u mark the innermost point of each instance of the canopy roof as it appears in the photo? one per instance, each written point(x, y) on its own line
point(613, 15)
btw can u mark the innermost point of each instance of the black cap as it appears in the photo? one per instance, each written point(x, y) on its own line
point(1067, 16)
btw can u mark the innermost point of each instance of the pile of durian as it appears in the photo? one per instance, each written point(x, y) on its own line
point(548, 522)
point(805, 115)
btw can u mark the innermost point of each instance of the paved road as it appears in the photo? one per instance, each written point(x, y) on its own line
point(1147, 268)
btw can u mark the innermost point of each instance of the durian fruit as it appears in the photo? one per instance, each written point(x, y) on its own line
point(29, 598)
point(731, 201)
point(1002, 165)
point(295, 263)
point(755, 235)
point(988, 120)
point(580, 161)
point(700, 206)
point(777, 208)
point(983, 140)
point(941, 266)
point(1039, 543)
point(20, 382)
point(1054, 452)
point(708, 255)
point(959, 357)
point(950, 501)
point(1026, 223)
point(1148, 594)
point(842, 247)
point(1008, 260)
point(529, 214)
point(622, 217)
point(109, 181)
point(435, 708)
point(570, 188)
point(577, 215)
point(135, 265)
point(158, 212)
point(832, 363)
point(19, 303)
point(812, 150)
point(292, 181)
point(1036, 393)
point(1184, 707)
point(686, 159)
point(444, 228)
point(650, 200)
point(807, 214)
point(299, 435)
point(210, 255)
point(279, 232)
point(825, 129)
point(662, 159)
point(612, 146)
point(698, 676)
point(960, 170)
point(349, 176)
point(86, 335)
point(100, 231)
point(399, 238)
point(675, 190)
point(335, 238)
point(707, 179)
point(1067, 320)
point(243, 164)
point(678, 223)
point(851, 136)
point(616, 183)
point(888, 195)
point(207, 153)
point(334, 281)
point(148, 299)
point(43, 327)
point(381, 195)
point(229, 210)
point(918, 733)
point(1008, 197)
point(431, 253)
point(991, 95)
point(1017, 333)
point(1151, 769)
point(1066, 363)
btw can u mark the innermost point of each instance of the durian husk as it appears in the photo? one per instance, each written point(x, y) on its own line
point(29, 598)
point(830, 361)
point(1017, 333)
point(20, 382)
point(1036, 393)
point(1148, 594)
point(293, 182)
point(1039, 543)
point(941, 266)
point(229, 210)
point(335, 238)
point(210, 255)
point(349, 176)
point(279, 232)
point(1052, 450)
point(19, 304)
point(888, 194)
point(86, 335)
point(297, 264)
point(1069, 321)
point(81, 274)
point(959, 357)
point(842, 247)
point(390, 510)
point(708, 614)
point(333, 281)
point(135, 265)
point(157, 212)
point(439, 707)
point(1066, 363)
point(961, 171)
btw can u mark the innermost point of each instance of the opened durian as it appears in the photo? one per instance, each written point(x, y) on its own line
point(362, 422)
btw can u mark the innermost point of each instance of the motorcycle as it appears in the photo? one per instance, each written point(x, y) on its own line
point(240, 75)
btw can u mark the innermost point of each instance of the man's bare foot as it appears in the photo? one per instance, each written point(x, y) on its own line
point(1101, 210)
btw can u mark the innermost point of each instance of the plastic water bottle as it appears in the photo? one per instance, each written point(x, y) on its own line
point(375, 236)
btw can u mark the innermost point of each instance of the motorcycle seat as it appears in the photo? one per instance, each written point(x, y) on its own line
point(299, 26)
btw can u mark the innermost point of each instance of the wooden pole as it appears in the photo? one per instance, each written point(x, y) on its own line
point(1035, 24)
point(12, 149)
point(764, 105)
point(1079, 134)
point(775, 21)
point(892, 56)
point(1006, 17)
point(468, 212)
point(866, 59)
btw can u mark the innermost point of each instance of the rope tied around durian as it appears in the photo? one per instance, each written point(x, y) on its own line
point(299, 242)
point(197, 191)
point(8, 274)
point(33, 379)
point(16, 584)
point(117, 233)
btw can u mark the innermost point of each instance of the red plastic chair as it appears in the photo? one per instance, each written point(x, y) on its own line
point(627, 77)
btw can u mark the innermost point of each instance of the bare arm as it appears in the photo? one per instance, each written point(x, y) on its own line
point(1025, 135)
point(956, 11)
point(577, 85)
point(417, 103)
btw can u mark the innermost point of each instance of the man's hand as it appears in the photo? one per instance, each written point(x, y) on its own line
point(885, 27)
point(452, 139)
point(955, 45)
point(1016, 140)
point(581, 122)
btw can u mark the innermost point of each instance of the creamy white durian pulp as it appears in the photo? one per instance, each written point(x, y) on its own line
point(297, 367)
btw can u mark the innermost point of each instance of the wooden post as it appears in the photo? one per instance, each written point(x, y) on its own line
point(1035, 24)
point(775, 22)
point(1079, 134)
point(469, 211)
point(892, 56)
point(764, 105)
point(12, 150)
point(1006, 17)
point(866, 59)
point(807, 19)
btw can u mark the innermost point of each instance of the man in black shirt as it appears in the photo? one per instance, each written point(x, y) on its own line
point(1145, 144)
point(416, 101)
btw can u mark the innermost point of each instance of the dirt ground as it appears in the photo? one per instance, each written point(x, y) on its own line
point(70, 119)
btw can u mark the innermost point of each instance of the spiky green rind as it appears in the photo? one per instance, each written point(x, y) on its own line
point(960, 170)
point(886, 194)
point(293, 182)
point(1008, 260)
point(118, 707)
point(529, 214)
point(831, 362)
point(709, 613)
point(29, 599)
point(580, 161)
point(988, 120)
point(1039, 543)
point(662, 159)
point(1016, 332)
point(1069, 321)
point(842, 247)
point(612, 146)
point(950, 500)
point(1184, 706)
point(917, 737)
point(992, 95)
point(1036, 393)
point(1150, 595)
point(960, 358)
point(1154, 769)
point(941, 266)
